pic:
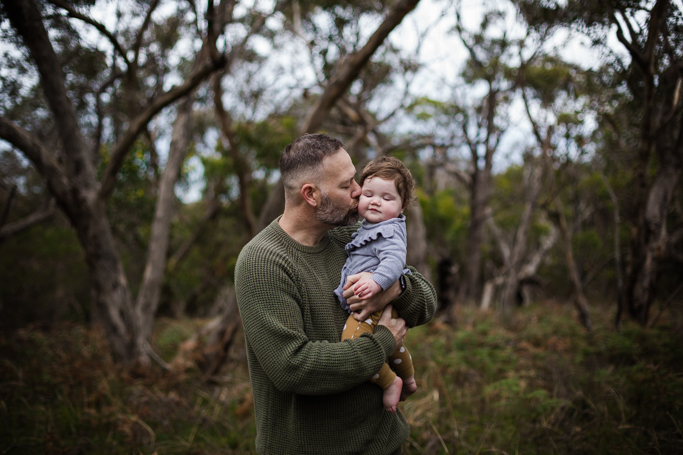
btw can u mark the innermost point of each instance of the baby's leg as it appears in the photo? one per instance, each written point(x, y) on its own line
point(402, 363)
point(385, 377)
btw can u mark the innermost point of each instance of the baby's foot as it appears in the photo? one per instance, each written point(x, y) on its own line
point(409, 387)
point(392, 395)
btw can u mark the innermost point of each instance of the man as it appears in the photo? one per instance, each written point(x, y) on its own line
point(311, 391)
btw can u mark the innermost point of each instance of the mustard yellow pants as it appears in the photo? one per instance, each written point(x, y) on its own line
point(401, 361)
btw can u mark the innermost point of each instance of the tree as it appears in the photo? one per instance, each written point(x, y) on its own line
point(650, 34)
point(556, 119)
point(71, 174)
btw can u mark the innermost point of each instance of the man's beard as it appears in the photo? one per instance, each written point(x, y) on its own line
point(336, 215)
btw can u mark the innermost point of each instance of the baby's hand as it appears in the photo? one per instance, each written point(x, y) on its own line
point(366, 288)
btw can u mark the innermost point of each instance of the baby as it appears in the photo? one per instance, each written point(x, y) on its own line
point(379, 246)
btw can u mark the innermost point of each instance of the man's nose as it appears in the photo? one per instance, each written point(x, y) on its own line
point(355, 193)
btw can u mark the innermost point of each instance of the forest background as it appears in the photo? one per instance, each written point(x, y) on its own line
point(139, 151)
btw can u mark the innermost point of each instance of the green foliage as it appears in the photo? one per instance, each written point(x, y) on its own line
point(445, 217)
point(43, 277)
point(537, 385)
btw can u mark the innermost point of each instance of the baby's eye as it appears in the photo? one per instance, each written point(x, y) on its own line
point(388, 198)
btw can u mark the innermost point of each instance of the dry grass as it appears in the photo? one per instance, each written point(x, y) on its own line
point(537, 384)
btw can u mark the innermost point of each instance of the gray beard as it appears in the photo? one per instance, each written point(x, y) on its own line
point(335, 215)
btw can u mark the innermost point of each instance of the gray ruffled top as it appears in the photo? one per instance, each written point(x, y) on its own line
point(379, 248)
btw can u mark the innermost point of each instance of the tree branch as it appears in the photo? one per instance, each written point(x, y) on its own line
point(8, 205)
point(141, 32)
point(140, 123)
point(44, 161)
point(25, 17)
point(88, 20)
point(25, 223)
point(98, 109)
point(343, 78)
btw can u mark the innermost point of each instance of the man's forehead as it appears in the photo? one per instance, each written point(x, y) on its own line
point(339, 166)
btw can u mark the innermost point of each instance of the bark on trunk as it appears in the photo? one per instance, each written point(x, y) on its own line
point(216, 351)
point(113, 299)
point(150, 289)
point(642, 279)
point(479, 200)
point(533, 185)
point(417, 240)
point(580, 302)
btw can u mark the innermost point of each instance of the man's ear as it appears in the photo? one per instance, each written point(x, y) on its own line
point(310, 193)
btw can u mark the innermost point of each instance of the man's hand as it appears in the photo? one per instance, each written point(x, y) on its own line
point(362, 309)
point(397, 326)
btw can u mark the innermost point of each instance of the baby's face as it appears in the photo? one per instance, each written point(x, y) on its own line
point(379, 200)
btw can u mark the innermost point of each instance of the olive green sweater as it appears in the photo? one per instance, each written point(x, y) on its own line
point(311, 394)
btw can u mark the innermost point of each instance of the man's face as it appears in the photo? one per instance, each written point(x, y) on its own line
point(339, 198)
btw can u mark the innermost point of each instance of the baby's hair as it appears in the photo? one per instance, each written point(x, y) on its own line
point(390, 168)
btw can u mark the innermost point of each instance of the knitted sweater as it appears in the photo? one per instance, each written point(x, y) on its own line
point(311, 394)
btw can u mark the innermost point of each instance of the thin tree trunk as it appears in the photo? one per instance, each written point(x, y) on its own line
point(533, 185)
point(150, 289)
point(242, 168)
point(617, 254)
point(580, 302)
point(479, 200)
point(417, 240)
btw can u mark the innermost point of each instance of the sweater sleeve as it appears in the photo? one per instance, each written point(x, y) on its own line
point(417, 304)
point(268, 297)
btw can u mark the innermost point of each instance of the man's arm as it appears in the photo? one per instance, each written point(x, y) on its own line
point(416, 304)
point(268, 301)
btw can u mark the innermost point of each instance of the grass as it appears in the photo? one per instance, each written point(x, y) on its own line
point(537, 384)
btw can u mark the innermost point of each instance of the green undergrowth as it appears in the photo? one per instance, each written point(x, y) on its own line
point(535, 384)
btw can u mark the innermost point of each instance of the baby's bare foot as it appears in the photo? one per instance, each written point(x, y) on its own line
point(392, 395)
point(409, 388)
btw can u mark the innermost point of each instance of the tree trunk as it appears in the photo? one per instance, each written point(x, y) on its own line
point(113, 299)
point(242, 168)
point(533, 187)
point(417, 240)
point(479, 200)
point(216, 351)
point(649, 234)
point(150, 289)
point(580, 302)
point(72, 180)
point(643, 274)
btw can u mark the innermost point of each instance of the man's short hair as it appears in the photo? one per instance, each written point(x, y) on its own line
point(392, 169)
point(305, 155)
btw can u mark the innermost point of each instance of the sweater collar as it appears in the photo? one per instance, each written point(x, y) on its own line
point(290, 242)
